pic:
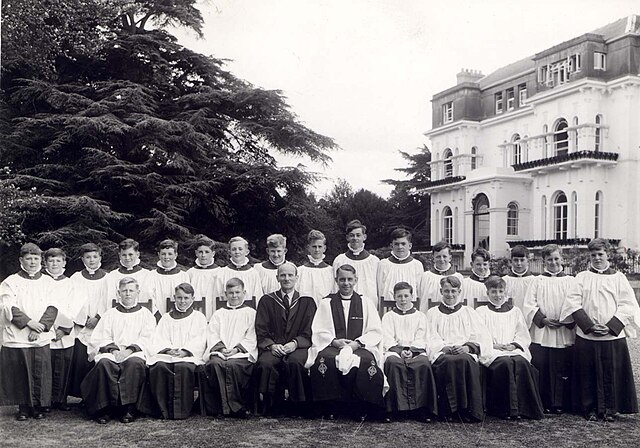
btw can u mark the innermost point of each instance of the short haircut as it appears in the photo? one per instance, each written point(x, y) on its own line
point(315, 235)
point(205, 241)
point(452, 280)
point(276, 240)
point(482, 253)
point(495, 282)
point(519, 251)
point(168, 244)
point(30, 249)
point(129, 244)
point(128, 281)
point(400, 233)
point(287, 263)
point(238, 239)
point(186, 287)
point(355, 224)
point(346, 267)
point(599, 244)
point(55, 252)
point(441, 245)
point(402, 285)
point(233, 282)
point(549, 249)
point(90, 247)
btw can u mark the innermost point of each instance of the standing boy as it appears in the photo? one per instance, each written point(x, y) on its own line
point(239, 267)
point(520, 276)
point(129, 256)
point(473, 289)
point(163, 280)
point(429, 284)
point(204, 275)
point(315, 277)
point(276, 251)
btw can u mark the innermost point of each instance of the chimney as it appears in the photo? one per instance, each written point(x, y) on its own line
point(467, 75)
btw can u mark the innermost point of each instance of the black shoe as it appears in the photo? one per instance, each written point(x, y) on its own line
point(102, 419)
point(558, 411)
point(38, 414)
point(45, 409)
point(243, 414)
point(591, 416)
point(388, 418)
point(22, 416)
point(61, 406)
point(127, 418)
point(609, 418)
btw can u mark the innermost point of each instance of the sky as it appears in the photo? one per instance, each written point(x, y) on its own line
point(363, 71)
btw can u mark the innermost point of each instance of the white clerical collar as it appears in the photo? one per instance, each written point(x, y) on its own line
point(497, 306)
point(346, 297)
point(244, 262)
point(442, 270)
point(133, 266)
point(54, 276)
point(128, 307)
point(236, 306)
point(400, 259)
point(600, 271)
point(356, 252)
point(30, 274)
point(204, 265)
point(451, 307)
point(519, 275)
point(315, 261)
point(92, 271)
point(173, 266)
point(481, 277)
point(277, 264)
point(182, 311)
point(552, 274)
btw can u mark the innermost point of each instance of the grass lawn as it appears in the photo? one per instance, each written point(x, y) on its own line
point(72, 429)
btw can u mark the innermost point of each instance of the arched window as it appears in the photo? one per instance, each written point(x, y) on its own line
point(598, 136)
point(574, 212)
point(597, 227)
point(560, 216)
point(481, 221)
point(448, 163)
point(474, 153)
point(447, 225)
point(517, 149)
point(545, 143)
point(560, 137)
point(576, 133)
point(544, 217)
point(512, 219)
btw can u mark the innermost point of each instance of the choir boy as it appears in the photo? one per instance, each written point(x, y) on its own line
point(365, 263)
point(167, 275)
point(473, 286)
point(283, 329)
point(520, 276)
point(129, 257)
point(400, 266)
point(177, 348)
point(511, 380)
point(605, 309)
point(230, 355)
point(412, 386)
point(276, 251)
point(345, 359)
point(29, 313)
point(457, 338)
point(429, 284)
point(204, 275)
point(551, 340)
point(118, 346)
point(315, 277)
point(239, 267)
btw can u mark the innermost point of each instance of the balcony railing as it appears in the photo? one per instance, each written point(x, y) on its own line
point(572, 156)
point(559, 242)
point(445, 181)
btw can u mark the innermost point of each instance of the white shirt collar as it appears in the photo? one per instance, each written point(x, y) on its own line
point(315, 261)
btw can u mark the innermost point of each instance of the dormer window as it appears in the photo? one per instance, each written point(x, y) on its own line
point(511, 99)
point(447, 112)
point(499, 105)
point(522, 94)
point(599, 61)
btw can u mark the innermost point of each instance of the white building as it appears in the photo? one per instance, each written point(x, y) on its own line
point(543, 150)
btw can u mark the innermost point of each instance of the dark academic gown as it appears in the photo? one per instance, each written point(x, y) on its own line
point(280, 322)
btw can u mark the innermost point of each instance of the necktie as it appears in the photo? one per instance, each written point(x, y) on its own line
point(285, 299)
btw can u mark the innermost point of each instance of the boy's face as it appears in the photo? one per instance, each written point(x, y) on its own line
point(129, 257)
point(238, 251)
point(91, 260)
point(599, 258)
point(442, 258)
point(234, 295)
point(480, 266)
point(553, 262)
point(287, 277)
point(31, 262)
point(401, 247)
point(346, 281)
point(316, 249)
point(276, 254)
point(449, 294)
point(55, 265)
point(129, 294)
point(403, 298)
point(496, 296)
point(520, 264)
point(356, 238)
point(183, 300)
point(205, 255)
point(167, 256)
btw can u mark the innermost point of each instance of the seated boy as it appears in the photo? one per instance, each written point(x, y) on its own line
point(91, 287)
point(429, 284)
point(457, 337)
point(276, 250)
point(29, 312)
point(163, 280)
point(231, 352)
point(117, 346)
point(175, 351)
point(407, 367)
point(204, 275)
point(551, 340)
point(520, 277)
point(400, 266)
point(129, 257)
point(240, 268)
point(511, 380)
point(605, 309)
point(315, 277)
point(473, 286)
